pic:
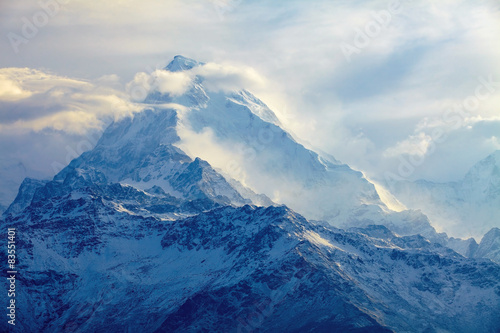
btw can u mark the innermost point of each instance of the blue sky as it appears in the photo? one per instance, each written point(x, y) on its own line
point(371, 110)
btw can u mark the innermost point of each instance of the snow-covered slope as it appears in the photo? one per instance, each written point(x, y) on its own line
point(259, 153)
point(138, 152)
point(90, 265)
point(242, 138)
point(467, 208)
point(25, 194)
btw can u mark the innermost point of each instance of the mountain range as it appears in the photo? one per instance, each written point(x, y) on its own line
point(142, 234)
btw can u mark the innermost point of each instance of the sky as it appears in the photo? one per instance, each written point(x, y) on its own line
point(405, 88)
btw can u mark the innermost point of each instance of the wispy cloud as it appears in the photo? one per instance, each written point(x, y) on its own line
point(35, 101)
point(47, 120)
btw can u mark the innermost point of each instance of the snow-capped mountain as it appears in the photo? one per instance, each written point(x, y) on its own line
point(264, 157)
point(470, 207)
point(260, 153)
point(139, 153)
point(136, 235)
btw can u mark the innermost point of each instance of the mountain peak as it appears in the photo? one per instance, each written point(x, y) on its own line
point(485, 175)
point(181, 63)
point(494, 157)
point(493, 233)
point(490, 160)
point(490, 246)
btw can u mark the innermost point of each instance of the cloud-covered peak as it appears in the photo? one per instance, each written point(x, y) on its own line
point(181, 74)
point(181, 63)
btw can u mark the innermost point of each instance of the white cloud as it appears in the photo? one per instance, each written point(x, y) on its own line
point(11, 90)
point(175, 83)
point(216, 77)
point(47, 120)
point(415, 145)
point(171, 83)
point(220, 77)
point(41, 101)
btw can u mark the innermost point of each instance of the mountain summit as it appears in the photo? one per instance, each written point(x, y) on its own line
point(469, 207)
point(181, 63)
point(260, 153)
point(241, 137)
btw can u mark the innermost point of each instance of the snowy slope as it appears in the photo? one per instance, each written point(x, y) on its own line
point(151, 150)
point(260, 154)
point(90, 265)
point(92, 259)
point(467, 208)
point(25, 194)
point(138, 152)
point(241, 137)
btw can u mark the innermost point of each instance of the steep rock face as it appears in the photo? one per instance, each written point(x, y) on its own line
point(466, 208)
point(25, 195)
point(138, 152)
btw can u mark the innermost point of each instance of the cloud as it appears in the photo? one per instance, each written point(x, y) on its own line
point(204, 144)
point(414, 145)
point(174, 84)
point(47, 120)
point(216, 77)
point(223, 77)
point(11, 90)
point(171, 83)
point(38, 101)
